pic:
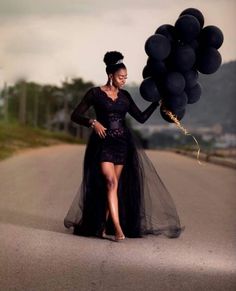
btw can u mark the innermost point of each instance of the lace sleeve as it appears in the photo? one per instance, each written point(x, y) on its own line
point(77, 114)
point(136, 113)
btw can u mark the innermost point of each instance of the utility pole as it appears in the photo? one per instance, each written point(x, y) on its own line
point(5, 96)
point(36, 105)
point(66, 93)
point(22, 108)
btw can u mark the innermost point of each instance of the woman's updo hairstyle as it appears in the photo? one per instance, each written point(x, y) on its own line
point(113, 61)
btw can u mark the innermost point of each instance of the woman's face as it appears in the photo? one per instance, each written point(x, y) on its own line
point(119, 78)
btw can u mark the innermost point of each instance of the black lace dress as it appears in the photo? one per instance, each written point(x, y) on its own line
point(145, 205)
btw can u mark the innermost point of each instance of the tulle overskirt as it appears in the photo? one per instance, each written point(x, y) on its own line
point(145, 205)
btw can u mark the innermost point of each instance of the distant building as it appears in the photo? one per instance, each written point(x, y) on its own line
point(148, 130)
point(212, 134)
point(227, 140)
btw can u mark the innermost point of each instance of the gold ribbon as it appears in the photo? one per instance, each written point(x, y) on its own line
point(176, 121)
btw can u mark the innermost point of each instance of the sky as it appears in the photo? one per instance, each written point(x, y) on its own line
point(48, 40)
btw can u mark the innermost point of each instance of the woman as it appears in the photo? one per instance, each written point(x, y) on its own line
point(121, 193)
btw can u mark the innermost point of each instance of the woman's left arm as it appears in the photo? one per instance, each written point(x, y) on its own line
point(136, 113)
point(77, 114)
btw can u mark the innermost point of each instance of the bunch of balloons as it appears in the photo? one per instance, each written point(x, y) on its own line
point(176, 55)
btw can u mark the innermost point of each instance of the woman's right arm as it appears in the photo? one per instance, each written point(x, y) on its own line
point(77, 114)
point(141, 116)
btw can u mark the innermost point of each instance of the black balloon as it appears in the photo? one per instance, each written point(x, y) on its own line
point(175, 83)
point(176, 102)
point(194, 44)
point(208, 60)
point(149, 91)
point(188, 28)
point(175, 56)
point(157, 46)
point(168, 31)
point(211, 36)
point(194, 93)
point(191, 78)
point(179, 114)
point(169, 62)
point(160, 82)
point(183, 57)
point(157, 68)
point(196, 13)
point(146, 72)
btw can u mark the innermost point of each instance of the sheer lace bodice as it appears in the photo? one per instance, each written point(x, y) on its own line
point(111, 113)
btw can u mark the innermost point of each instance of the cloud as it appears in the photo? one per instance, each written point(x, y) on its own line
point(30, 41)
point(79, 7)
point(48, 40)
point(43, 7)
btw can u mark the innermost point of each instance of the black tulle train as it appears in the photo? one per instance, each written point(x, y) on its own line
point(145, 205)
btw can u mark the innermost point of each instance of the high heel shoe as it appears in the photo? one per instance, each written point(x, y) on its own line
point(102, 232)
point(119, 237)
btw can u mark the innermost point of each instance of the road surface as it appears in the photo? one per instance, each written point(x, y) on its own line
point(38, 253)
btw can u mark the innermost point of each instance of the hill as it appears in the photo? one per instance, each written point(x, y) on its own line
point(217, 103)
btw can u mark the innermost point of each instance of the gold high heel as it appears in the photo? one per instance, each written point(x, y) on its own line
point(102, 233)
point(119, 237)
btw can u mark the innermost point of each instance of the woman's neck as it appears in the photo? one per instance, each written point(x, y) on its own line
point(111, 87)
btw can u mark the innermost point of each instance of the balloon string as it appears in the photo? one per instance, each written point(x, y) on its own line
point(176, 121)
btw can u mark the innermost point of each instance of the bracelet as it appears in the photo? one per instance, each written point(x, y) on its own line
point(92, 124)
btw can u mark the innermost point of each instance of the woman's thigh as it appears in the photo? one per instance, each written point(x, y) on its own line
point(118, 170)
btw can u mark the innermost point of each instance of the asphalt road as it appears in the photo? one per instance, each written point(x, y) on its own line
point(38, 253)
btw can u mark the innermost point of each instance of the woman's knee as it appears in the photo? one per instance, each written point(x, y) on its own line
point(112, 182)
point(110, 175)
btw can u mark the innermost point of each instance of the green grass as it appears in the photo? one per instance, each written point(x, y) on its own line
point(15, 137)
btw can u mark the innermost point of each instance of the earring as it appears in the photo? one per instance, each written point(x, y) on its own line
point(110, 82)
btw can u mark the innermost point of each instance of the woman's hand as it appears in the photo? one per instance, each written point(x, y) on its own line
point(100, 129)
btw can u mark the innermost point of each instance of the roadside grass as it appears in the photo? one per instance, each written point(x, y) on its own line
point(15, 137)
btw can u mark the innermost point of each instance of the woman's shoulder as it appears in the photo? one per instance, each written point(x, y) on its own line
point(89, 94)
point(92, 91)
point(125, 92)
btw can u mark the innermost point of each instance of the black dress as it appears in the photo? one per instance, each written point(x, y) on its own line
point(145, 205)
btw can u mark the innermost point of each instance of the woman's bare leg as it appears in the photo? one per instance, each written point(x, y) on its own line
point(108, 169)
point(118, 170)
